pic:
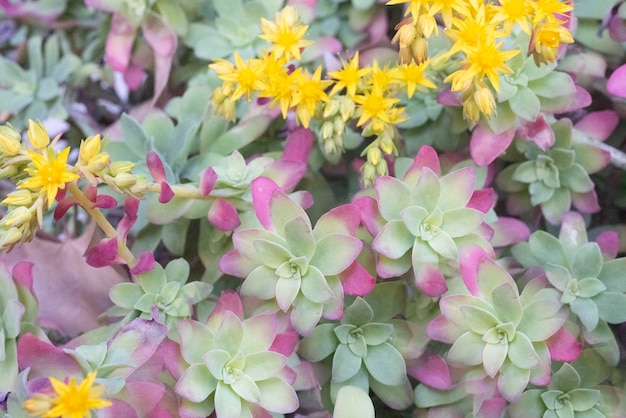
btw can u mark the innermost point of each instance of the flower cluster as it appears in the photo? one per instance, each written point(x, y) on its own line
point(478, 31)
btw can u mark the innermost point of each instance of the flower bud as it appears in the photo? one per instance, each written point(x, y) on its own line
point(90, 147)
point(10, 141)
point(346, 108)
point(98, 162)
point(21, 197)
point(327, 130)
point(118, 167)
point(374, 156)
point(483, 97)
point(331, 108)
point(8, 171)
point(17, 217)
point(9, 237)
point(420, 50)
point(406, 35)
point(125, 180)
point(37, 135)
point(386, 144)
point(339, 125)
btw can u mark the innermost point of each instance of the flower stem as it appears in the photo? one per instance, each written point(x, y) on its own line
point(108, 229)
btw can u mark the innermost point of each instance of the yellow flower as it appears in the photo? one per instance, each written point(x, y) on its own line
point(547, 9)
point(278, 84)
point(412, 76)
point(49, 172)
point(37, 135)
point(510, 12)
point(447, 9)
point(348, 76)
point(374, 106)
point(545, 40)
point(76, 401)
point(380, 78)
point(285, 33)
point(414, 8)
point(309, 92)
point(247, 76)
point(483, 60)
point(471, 31)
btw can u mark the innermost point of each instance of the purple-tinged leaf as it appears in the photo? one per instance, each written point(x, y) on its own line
point(344, 219)
point(586, 202)
point(207, 181)
point(608, 241)
point(144, 264)
point(564, 346)
point(540, 132)
point(298, 145)
point(103, 254)
point(431, 369)
point(508, 231)
point(356, 280)
point(430, 281)
point(166, 194)
point(104, 201)
point(229, 301)
point(285, 173)
point(63, 206)
point(336, 252)
point(155, 166)
point(119, 42)
point(370, 215)
point(483, 200)
point(599, 125)
point(131, 206)
point(616, 84)
point(440, 329)
point(285, 343)
point(262, 191)
point(469, 259)
point(426, 158)
point(486, 146)
point(44, 359)
point(22, 274)
point(223, 215)
point(163, 40)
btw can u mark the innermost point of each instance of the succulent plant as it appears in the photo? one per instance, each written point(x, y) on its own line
point(422, 221)
point(294, 267)
point(162, 294)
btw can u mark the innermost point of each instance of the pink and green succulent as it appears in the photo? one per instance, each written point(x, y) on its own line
point(294, 267)
point(421, 221)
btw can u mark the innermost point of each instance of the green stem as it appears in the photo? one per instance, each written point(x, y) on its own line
point(108, 229)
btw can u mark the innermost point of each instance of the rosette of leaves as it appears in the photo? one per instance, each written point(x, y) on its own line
point(362, 354)
point(162, 294)
point(553, 180)
point(294, 267)
point(37, 92)
point(562, 398)
point(422, 221)
point(232, 370)
point(497, 329)
point(588, 279)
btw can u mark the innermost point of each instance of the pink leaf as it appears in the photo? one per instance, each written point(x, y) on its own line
point(447, 98)
point(207, 181)
point(508, 231)
point(234, 264)
point(166, 194)
point(370, 215)
point(432, 370)
point(134, 76)
point(223, 215)
point(163, 40)
point(298, 145)
point(356, 280)
point(144, 264)
point(430, 281)
point(44, 359)
point(426, 157)
point(285, 343)
point(119, 42)
point(131, 206)
point(152, 334)
point(599, 125)
point(104, 201)
point(343, 219)
point(155, 166)
point(104, 254)
point(486, 146)
point(63, 206)
point(262, 190)
point(229, 301)
point(609, 243)
point(285, 173)
point(469, 259)
point(616, 84)
point(586, 202)
point(23, 274)
point(483, 200)
point(538, 132)
point(563, 346)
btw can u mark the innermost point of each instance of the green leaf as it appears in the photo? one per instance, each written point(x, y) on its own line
point(547, 249)
point(522, 353)
point(353, 402)
point(587, 261)
point(565, 379)
point(315, 287)
point(555, 84)
point(494, 356)
point(590, 287)
point(134, 136)
point(345, 363)
point(477, 319)
point(467, 350)
point(512, 381)
point(153, 280)
point(611, 307)
point(164, 213)
point(587, 311)
point(196, 384)
point(385, 364)
point(506, 303)
point(377, 333)
point(358, 313)
point(174, 235)
point(335, 252)
point(35, 57)
point(577, 179)
point(584, 399)
point(525, 104)
point(320, 344)
point(299, 238)
point(612, 274)
point(47, 89)
point(125, 295)
point(94, 354)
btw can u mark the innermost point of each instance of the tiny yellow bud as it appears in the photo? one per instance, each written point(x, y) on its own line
point(37, 135)
point(483, 97)
point(17, 217)
point(139, 189)
point(98, 162)
point(38, 404)
point(90, 147)
point(8, 171)
point(374, 156)
point(386, 144)
point(369, 173)
point(118, 167)
point(471, 111)
point(8, 238)
point(331, 108)
point(381, 169)
point(327, 130)
point(346, 108)
point(339, 125)
point(125, 180)
point(377, 126)
point(427, 24)
point(21, 197)
point(420, 50)
point(10, 141)
point(406, 35)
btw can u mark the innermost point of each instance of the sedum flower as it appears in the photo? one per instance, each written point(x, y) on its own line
point(349, 76)
point(246, 76)
point(71, 400)
point(309, 93)
point(412, 77)
point(49, 172)
point(285, 33)
point(37, 135)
